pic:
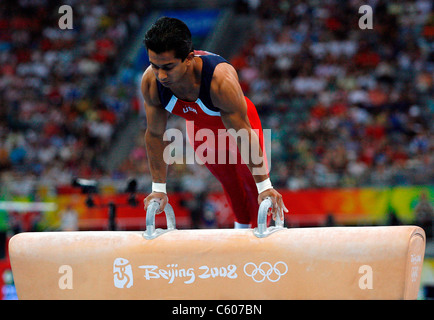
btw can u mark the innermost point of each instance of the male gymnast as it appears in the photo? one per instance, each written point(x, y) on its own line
point(204, 89)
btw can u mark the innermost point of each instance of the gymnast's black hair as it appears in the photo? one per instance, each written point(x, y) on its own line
point(168, 34)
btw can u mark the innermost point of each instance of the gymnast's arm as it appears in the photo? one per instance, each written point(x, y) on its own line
point(227, 95)
point(156, 118)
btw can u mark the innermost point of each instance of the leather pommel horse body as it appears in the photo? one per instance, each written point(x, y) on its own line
point(265, 263)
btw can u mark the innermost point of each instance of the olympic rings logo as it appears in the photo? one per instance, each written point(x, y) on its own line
point(265, 271)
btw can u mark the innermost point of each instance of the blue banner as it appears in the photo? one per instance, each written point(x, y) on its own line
point(200, 21)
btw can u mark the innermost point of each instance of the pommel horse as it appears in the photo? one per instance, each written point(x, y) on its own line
point(262, 263)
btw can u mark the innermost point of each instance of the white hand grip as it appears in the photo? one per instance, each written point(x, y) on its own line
point(151, 232)
point(262, 231)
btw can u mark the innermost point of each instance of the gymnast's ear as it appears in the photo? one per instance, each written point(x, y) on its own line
point(189, 58)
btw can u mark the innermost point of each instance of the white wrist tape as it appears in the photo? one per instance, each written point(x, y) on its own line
point(264, 185)
point(159, 187)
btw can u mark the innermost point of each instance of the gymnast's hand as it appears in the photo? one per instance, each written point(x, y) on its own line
point(276, 199)
point(160, 197)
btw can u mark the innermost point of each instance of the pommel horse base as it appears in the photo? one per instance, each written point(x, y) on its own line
point(265, 263)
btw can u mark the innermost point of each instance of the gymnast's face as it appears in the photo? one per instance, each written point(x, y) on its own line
point(168, 69)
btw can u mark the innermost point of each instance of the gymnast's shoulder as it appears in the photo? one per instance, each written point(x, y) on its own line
point(149, 87)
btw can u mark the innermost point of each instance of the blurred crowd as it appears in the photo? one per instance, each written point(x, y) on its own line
point(60, 98)
point(347, 107)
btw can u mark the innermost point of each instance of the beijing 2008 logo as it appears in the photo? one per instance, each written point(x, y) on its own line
point(265, 270)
